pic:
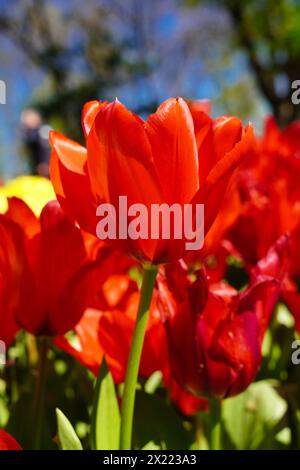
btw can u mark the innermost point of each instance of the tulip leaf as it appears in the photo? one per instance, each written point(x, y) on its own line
point(105, 420)
point(151, 446)
point(251, 418)
point(67, 437)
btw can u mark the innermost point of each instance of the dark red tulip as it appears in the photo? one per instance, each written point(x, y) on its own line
point(7, 442)
point(13, 266)
point(290, 291)
point(215, 333)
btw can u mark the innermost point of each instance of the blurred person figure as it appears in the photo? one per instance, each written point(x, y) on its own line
point(35, 140)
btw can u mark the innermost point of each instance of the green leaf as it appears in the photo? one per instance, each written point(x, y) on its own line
point(151, 446)
point(105, 420)
point(250, 418)
point(67, 437)
point(153, 382)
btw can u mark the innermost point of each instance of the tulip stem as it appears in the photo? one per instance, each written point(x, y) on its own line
point(128, 398)
point(215, 424)
point(39, 393)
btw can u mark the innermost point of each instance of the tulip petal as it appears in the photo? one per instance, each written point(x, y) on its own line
point(187, 403)
point(119, 158)
point(7, 442)
point(227, 133)
point(53, 263)
point(23, 215)
point(237, 341)
point(89, 352)
point(199, 106)
point(13, 273)
point(275, 263)
point(71, 182)
point(212, 192)
point(203, 125)
point(89, 112)
point(120, 164)
point(292, 300)
point(261, 298)
point(170, 132)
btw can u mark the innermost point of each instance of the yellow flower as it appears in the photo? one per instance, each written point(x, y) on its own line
point(36, 191)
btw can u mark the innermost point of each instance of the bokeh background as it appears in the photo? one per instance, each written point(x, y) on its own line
point(242, 56)
point(55, 55)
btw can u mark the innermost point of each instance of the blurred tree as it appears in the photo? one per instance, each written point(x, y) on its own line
point(269, 33)
point(73, 48)
point(169, 42)
point(139, 50)
point(145, 51)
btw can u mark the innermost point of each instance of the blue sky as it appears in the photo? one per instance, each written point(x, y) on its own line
point(23, 79)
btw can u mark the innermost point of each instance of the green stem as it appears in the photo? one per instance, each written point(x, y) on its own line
point(215, 424)
point(135, 356)
point(39, 394)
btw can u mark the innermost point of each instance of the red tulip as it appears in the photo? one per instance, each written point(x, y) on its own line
point(268, 213)
point(110, 290)
point(13, 265)
point(179, 155)
point(290, 293)
point(270, 204)
point(219, 353)
point(107, 325)
point(269, 198)
point(185, 401)
point(54, 285)
point(110, 333)
point(108, 329)
point(7, 442)
point(284, 143)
